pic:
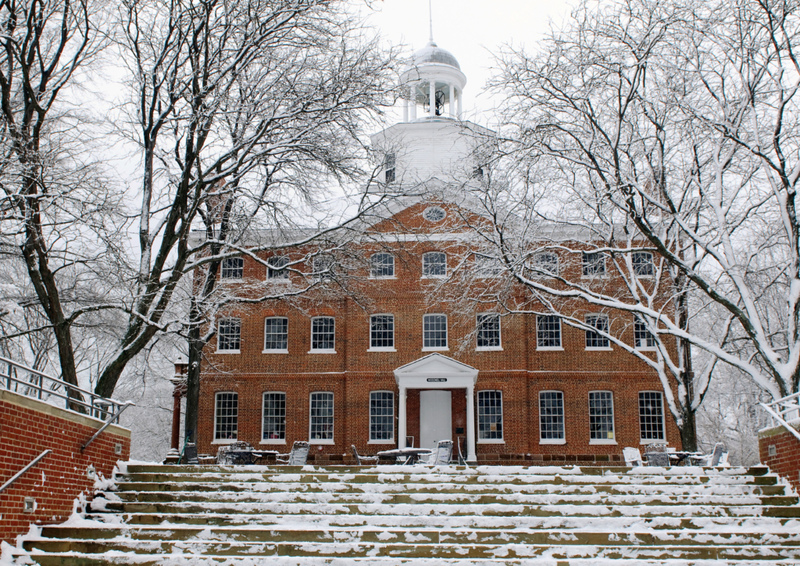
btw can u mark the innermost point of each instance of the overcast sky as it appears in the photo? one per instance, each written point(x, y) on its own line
point(471, 30)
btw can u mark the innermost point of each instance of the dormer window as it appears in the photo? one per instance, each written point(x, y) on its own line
point(389, 167)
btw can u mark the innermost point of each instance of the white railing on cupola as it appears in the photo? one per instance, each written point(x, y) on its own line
point(785, 412)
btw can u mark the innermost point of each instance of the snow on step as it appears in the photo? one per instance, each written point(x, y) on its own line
point(565, 516)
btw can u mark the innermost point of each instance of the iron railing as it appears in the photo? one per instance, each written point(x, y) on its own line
point(32, 383)
point(20, 473)
point(785, 411)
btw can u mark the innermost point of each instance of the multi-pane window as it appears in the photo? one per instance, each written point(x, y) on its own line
point(593, 264)
point(487, 266)
point(322, 267)
point(548, 331)
point(323, 333)
point(381, 265)
point(226, 416)
point(597, 338)
point(389, 167)
point(434, 264)
point(381, 331)
point(642, 338)
point(642, 263)
point(274, 417)
point(487, 331)
point(277, 267)
point(276, 334)
point(545, 263)
point(321, 417)
point(490, 415)
point(551, 416)
point(651, 416)
point(232, 268)
point(229, 335)
point(434, 331)
point(381, 416)
point(601, 415)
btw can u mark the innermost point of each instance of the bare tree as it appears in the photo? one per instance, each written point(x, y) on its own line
point(670, 127)
point(248, 115)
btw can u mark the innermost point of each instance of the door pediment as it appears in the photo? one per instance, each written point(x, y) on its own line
point(435, 371)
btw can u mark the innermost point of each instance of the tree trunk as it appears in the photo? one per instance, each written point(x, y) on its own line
point(196, 344)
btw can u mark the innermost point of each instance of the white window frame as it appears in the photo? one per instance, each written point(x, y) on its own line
point(539, 320)
point(314, 332)
point(389, 416)
point(322, 268)
point(643, 339)
point(663, 424)
point(372, 330)
point(541, 267)
point(479, 318)
point(278, 268)
point(647, 265)
point(425, 331)
point(223, 338)
point(428, 265)
point(592, 410)
point(311, 417)
point(563, 439)
point(390, 168)
point(286, 326)
point(593, 264)
point(482, 415)
point(487, 267)
point(592, 320)
point(373, 272)
point(265, 440)
point(217, 416)
point(231, 268)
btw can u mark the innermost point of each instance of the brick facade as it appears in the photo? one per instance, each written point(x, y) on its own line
point(780, 450)
point(27, 428)
point(518, 369)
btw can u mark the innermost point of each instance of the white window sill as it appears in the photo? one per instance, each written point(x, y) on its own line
point(596, 276)
point(439, 277)
point(652, 441)
point(283, 280)
point(228, 352)
point(491, 441)
point(381, 350)
point(552, 441)
point(445, 349)
point(550, 349)
point(225, 441)
point(383, 277)
point(318, 441)
point(274, 351)
point(599, 441)
point(609, 349)
point(274, 441)
point(381, 441)
point(322, 351)
point(646, 349)
point(490, 349)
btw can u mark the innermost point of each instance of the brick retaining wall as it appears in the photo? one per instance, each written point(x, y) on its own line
point(780, 450)
point(27, 428)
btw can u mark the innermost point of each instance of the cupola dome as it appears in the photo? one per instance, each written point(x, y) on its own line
point(432, 53)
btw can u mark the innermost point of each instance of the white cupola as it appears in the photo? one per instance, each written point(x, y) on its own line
point(433, 85)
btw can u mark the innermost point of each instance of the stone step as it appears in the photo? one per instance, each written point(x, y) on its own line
point(73, 559)
point(741, 523)
point(365, 487)
point(414, 550)
point(545, 510)
point(454, 498)
point(452, 535)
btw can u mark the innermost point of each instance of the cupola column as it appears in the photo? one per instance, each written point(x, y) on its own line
point(452, 99)
point(432, 99)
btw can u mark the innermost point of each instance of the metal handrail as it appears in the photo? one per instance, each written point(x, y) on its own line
point(777, 416)
point(33, 383)
point(20, 473)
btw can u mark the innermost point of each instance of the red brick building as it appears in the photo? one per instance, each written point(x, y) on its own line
point(419, 343)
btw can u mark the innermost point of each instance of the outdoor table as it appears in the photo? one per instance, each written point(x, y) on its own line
point(404, 455)
point(680, 458)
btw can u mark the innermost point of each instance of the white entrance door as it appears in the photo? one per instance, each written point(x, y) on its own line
point(435, 422)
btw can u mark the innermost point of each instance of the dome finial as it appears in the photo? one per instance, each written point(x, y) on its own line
point(430, 18)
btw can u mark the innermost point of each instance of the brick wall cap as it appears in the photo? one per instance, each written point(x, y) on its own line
point(46, 408)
